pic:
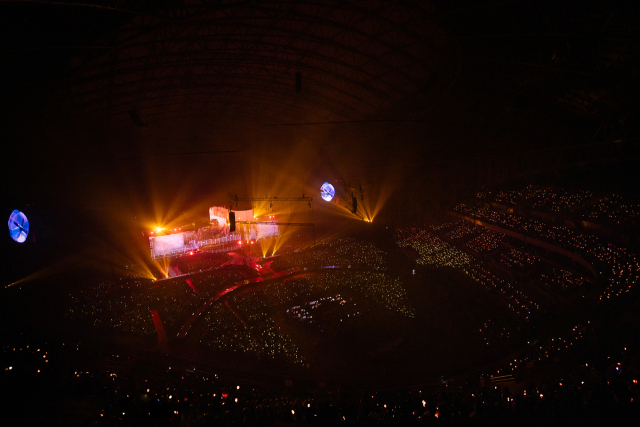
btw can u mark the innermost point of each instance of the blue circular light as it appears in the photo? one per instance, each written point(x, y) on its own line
point(327, 192)
point(18, 226)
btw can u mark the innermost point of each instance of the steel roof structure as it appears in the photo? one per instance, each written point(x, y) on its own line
point(239, 60)
point(358, 60)
point(417, 81)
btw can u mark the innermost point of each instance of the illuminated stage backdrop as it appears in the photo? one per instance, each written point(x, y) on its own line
point(167, 245)
point(253, 231)
point(219, 214)
point(217, 234)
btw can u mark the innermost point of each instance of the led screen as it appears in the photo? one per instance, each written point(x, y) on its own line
point(18, 226)
point(219, 214)
point(167, 245)
point(267, 230)
point(327, 192)
point(222, 215)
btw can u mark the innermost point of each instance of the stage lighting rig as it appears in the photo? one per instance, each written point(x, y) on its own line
point(328, 193)
point(353, 189)
point(297, 224)
point(271, 200)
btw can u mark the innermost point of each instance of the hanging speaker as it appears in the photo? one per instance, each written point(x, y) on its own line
point(232, 221)
point(298, 81)
point(354, 201)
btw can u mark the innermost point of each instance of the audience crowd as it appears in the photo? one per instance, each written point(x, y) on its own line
point(620, 267)
point(77, 384)
point(601, 208)
point(551, 365)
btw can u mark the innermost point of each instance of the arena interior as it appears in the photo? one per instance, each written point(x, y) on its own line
point(320, 213)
